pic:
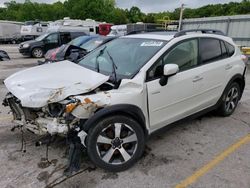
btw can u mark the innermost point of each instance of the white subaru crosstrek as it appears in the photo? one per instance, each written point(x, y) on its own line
point(127, 89)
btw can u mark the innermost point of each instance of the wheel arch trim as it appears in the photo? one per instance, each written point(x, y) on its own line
point(130, 110)
point(240, 79)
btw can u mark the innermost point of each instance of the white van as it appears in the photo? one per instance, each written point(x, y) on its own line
point(118, 30)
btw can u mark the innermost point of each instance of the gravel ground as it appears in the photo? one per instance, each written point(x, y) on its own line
point(170, 157)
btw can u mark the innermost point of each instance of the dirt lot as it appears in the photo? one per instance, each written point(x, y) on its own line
point(207, 152)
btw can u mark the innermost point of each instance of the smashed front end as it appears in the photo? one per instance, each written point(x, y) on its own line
point(42, 98)
point(52, 118)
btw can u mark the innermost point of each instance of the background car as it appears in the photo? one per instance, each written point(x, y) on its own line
point(58, 54)
point(76, 49)
point(38, 47)
point(4, 56)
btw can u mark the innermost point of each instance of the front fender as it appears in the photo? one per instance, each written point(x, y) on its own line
point(126, 109)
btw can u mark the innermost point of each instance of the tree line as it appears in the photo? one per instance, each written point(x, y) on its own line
point(106, 10)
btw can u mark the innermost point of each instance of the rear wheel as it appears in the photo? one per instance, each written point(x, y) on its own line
point(115, 143)
point(37, 53)
point(230, 100)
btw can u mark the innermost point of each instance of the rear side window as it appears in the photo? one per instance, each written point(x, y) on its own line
point(65, 38)
point(52, 38)
point(223, 50)
point(210, 50)
point(230, 49)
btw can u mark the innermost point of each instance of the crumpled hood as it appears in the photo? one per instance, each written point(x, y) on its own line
point(50, 83)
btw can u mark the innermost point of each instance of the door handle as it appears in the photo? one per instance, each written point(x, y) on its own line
point(197, 78)
point(155, 92)
point(228, 66)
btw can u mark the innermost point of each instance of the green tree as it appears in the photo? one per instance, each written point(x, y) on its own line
point(106, 10)
point(135, 15)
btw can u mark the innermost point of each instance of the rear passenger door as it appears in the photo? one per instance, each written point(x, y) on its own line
point(213, 66)
point(65, 38)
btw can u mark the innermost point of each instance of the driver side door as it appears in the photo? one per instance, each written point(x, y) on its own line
point(51, 41)
point(177, 99)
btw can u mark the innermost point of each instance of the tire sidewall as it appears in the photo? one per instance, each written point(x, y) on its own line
point(223, 105)
point(99, 126)
point(33, 54)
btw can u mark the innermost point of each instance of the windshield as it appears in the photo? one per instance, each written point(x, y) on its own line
point(79, 40)
point(92, 44)
point(128, 54)
point(41, 37)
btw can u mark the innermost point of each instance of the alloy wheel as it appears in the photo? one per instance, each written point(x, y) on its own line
point(37, 53)
point(117, 143)
point(232, 99)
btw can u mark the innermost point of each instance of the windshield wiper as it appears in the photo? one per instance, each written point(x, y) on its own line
point(97, 62)
point(113, 66)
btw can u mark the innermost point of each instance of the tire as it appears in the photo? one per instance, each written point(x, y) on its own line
point(112, 151)
point(230, 99)
point(37, 53)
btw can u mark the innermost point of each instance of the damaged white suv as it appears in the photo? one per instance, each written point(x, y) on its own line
point(125, 90)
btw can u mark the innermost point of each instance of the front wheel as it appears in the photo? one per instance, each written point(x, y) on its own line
point(115, 143)
point(37, 53)
point(230, 99)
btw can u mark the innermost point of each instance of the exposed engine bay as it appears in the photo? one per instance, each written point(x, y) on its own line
point(54, 118)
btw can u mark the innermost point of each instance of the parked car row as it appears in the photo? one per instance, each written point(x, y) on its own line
point(76, 49)
point(38, 47)
point(126, 89)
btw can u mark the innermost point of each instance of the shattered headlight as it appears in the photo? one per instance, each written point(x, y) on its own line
point(70, 104)
point(70, 107)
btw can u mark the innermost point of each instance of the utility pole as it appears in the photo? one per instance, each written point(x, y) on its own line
point(181, 15)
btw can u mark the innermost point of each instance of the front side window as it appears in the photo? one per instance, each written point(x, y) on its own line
point(128, 55)
point(53, 38)
point(185, 55)
point(41, 37)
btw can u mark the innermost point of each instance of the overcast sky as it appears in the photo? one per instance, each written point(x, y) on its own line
point(164, 5)
point(153, 5)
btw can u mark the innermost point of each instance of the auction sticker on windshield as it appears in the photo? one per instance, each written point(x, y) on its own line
point(152, 43)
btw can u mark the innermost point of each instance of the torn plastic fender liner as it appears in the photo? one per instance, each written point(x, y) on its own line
point(82, 135)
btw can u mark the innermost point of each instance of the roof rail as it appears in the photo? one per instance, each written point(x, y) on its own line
point(206, 31)
point(145, 31)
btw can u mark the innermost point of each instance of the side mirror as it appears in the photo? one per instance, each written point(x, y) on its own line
point(168, 70)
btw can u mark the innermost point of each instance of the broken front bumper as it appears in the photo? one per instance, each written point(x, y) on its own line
point(35, 120)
